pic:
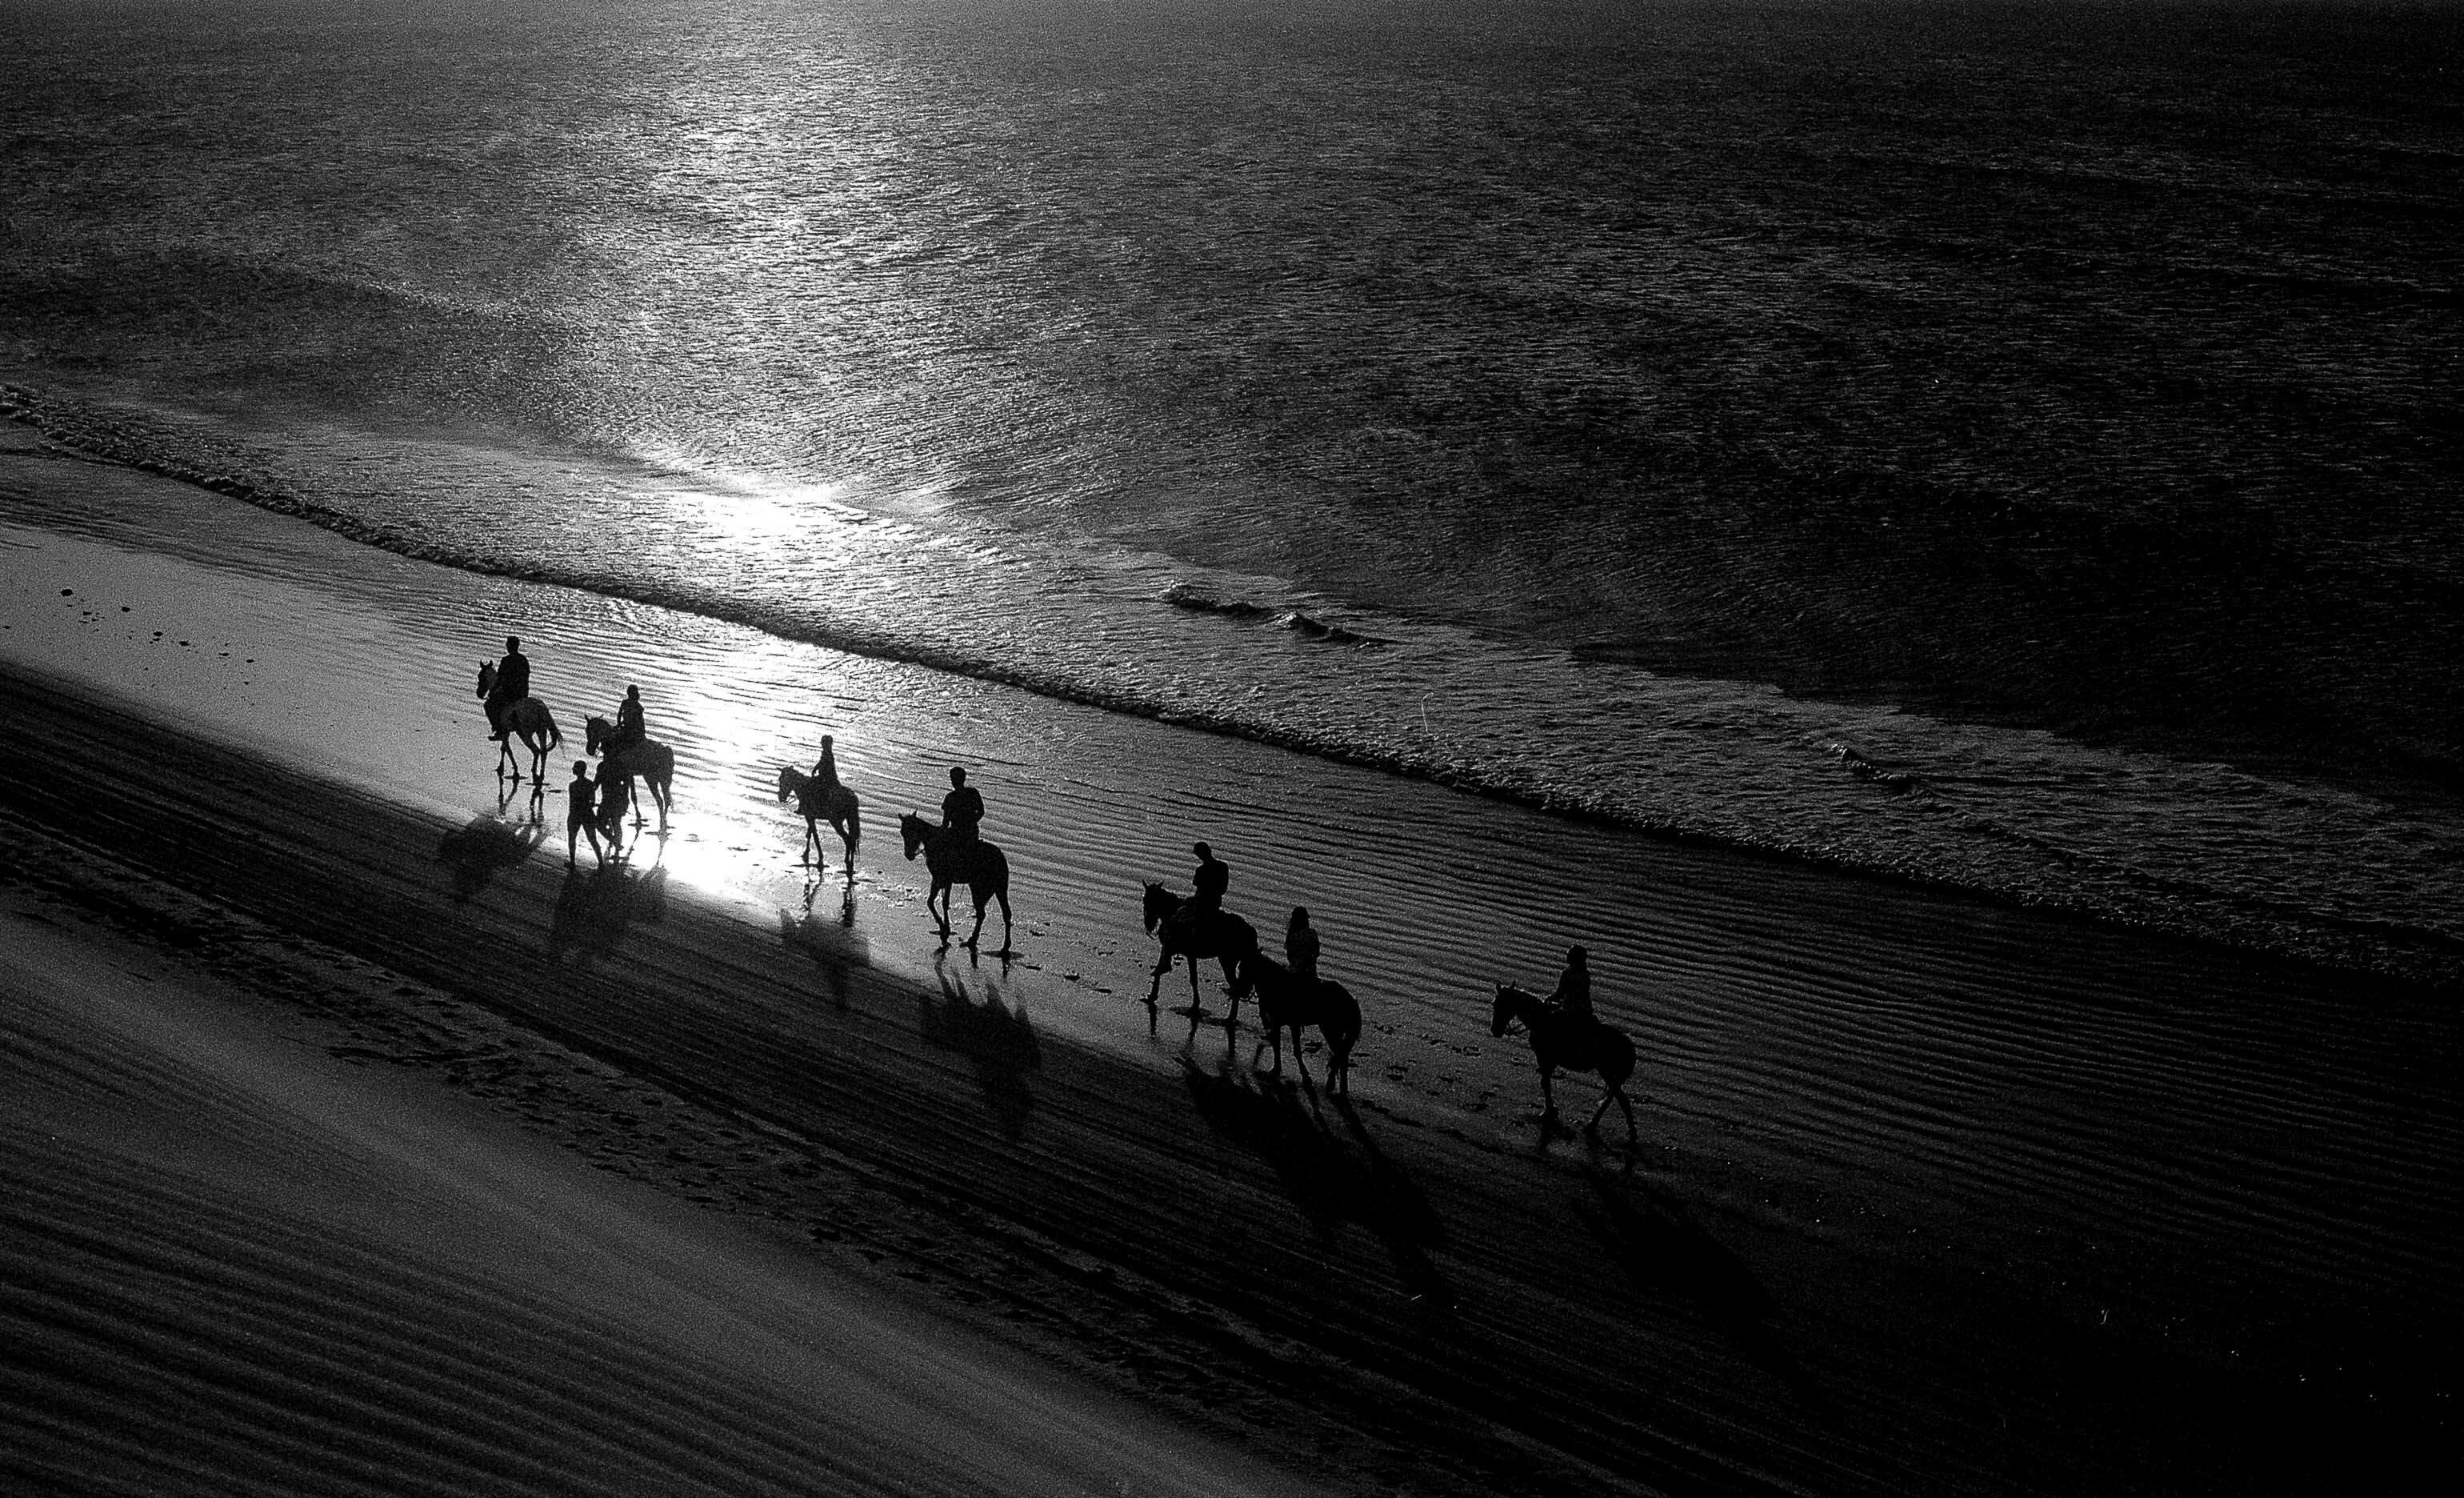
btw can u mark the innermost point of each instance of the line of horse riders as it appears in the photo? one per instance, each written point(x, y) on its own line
point(1290, 994)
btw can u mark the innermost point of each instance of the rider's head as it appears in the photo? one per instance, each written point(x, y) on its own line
point(1300, 917)
point(581, 767)
point(958, 776)
point(633, 694)
point(1576, 957)
point(1205, 854)
point(825, 740)
point(512, 646)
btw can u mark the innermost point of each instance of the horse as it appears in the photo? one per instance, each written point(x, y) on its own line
point(1286, 999)
point(526, 718)
point(1228, 938)
point(649, 760)
point(979, 865)
point(1558, 1040)
point(817, 803)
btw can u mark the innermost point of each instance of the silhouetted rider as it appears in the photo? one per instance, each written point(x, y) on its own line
point(1300, 945)
point(1572, 995)
point(1208, 881)
point(963, 808)
point(629, 727)
point(825, 770)
point(513, 684)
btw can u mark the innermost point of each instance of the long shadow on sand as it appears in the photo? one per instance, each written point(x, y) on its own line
point(596, 907)
point(478, 851)
point(832, 941)
point(997, 1038)
point(1667, 1255)
point(1331, 1179)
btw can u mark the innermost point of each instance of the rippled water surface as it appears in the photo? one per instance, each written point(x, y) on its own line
point(2014, 447)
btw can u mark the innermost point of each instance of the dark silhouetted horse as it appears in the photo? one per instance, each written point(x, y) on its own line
point(816, 802)
point(1227, 938)
point(979, 865)
point(1562, 1041)
point(526, 718)
point(1288, 1001)
point(646, 760)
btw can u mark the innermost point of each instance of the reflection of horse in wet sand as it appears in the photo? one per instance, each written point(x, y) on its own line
point(1226, 939)
point(646, 760)
point(1561, 1041)
point(818, 802)
point(526, 718)
point(1288, 1001)
point(983, 868)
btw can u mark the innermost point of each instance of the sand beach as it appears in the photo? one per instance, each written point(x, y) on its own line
point(354, 1143)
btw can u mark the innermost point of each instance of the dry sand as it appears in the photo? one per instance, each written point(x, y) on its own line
point(1933, 1195)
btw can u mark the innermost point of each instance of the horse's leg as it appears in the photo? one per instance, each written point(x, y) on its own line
point(975, 892)
point(1002, 894)
point(1154, 979)
point(1548, 1096)
point(1592, 1125)
point(1629, 1115)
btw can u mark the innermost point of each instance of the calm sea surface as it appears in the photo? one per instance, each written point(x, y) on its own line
point(2014, 445)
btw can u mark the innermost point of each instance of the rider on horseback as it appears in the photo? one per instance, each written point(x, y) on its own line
point(1207, 883)
point(963, 808)
point(513, 684)
point(825, 770)
point(629, 727)
point(1572, 995)
point(1300, 945)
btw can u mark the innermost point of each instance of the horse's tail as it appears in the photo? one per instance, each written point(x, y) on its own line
point(1342, 1024)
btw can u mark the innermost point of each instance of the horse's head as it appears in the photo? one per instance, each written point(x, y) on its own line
point(1160, 902)
point(914, 829)
point(1509, 1002)
point(594, 732)
point(790, 781)
point(487, 677)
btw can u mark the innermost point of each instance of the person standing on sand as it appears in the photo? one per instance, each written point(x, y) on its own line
point(1300, 945)
point(513, 684)
point(963, 808)
point(629, 729)
point(825, 770)
point(579, 802)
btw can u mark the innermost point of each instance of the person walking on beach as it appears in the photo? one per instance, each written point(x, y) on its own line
point(581, 811)
point(1300, 945)
point(614, 799)
point(629, 729)
point(513, 684)
point(963, 808)
point(825, 770)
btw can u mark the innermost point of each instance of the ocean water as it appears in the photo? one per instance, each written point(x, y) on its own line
point(2011, 447)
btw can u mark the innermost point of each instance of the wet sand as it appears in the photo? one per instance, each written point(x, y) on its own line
point(1933, 1195)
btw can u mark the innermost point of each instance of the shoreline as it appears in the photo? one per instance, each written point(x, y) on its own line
point(2168, 900)
point(1912, 1172)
